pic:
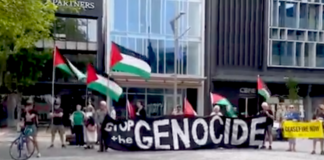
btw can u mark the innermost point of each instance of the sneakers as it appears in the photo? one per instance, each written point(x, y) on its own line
point(313, 152)
point(38, 155)
point(51, 146)
point(63, 146)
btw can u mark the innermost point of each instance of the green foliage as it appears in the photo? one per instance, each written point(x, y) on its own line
point(25, 67)
point(24, 22)
point(292, 86)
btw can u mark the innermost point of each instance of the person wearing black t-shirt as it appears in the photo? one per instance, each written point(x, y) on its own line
point(266, 111)
point(57, 125)
point(29, 119)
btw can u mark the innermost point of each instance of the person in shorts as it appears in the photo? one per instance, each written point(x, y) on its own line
point(29, 120)
point(57, 124)
point(266, 111)
point(292, 115)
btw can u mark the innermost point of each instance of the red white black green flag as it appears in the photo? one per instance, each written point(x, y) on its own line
point(263, 89)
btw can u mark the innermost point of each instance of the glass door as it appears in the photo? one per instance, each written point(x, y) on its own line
point(169, 104)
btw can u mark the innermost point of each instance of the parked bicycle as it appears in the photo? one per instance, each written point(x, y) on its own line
point(23, 146)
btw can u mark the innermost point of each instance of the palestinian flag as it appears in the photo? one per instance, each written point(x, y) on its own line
point(220, 100)
point(102, 85)
point(126, 63)
point(263, 89)
point(130, 110)
point(66, 66)
point(188, 109)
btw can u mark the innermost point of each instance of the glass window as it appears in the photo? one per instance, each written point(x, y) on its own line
point(320, 55)
point(131, 43)
point(303, 21)
point(152, 53)
point(170, 8)
point(133, 16)
point(278, 51)
point(71, 29)
point(298, 54)
point(282, 13)
point(193, 58)
point(169, 56)
point(160, 56)
point(194, 19)
point(143, 16)
point(120, 15)
point(306, 55)
point(136, 90)
point(288, 58)
point(275, 8)
point(60, 27)
point(155, 105)
point(92, 30)
point(183, 57)
point(140, 46)
point(155, 9)
point(313, 16)
point(291, 17)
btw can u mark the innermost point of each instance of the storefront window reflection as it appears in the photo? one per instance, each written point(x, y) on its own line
point(75, 29)
point(157, 101)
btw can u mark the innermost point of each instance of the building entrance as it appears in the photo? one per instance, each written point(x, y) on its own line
point(247, 107)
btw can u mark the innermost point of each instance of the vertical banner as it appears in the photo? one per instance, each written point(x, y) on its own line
point(181, 133)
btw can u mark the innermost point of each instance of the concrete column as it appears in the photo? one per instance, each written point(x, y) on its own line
point(200, 101)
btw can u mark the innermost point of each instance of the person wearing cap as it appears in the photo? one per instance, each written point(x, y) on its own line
point(266, 112)
point(292, 115)
point(177, 111)
point(57, 124)
point(216, 111)
point(29, 120)
point(99, 118)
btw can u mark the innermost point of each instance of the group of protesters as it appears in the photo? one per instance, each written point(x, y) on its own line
point(291, 114)
point(86, 123)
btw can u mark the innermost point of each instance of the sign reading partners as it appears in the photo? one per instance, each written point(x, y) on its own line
point(180, 133)
point(293, 129)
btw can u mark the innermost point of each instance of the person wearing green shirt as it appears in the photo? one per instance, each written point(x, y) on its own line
point(78, 118)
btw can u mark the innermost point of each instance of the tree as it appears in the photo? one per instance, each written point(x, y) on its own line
point(293, 89)
point(24, 68)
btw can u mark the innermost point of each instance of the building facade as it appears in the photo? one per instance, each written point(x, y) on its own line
point(279, 40)
point(143, 26)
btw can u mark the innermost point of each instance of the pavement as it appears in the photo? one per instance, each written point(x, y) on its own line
point(75, 153)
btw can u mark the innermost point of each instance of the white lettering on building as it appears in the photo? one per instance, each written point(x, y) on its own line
point(81, 4)
point(247, 90)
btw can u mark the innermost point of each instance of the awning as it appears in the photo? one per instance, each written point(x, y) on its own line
point(158, 80)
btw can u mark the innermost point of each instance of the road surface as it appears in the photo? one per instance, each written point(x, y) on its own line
point(74, 153)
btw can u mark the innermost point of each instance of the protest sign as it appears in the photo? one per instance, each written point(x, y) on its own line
point(293, 129)
point(183, 133)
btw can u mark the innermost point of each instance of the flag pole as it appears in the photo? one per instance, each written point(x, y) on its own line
point(246, 107)
point(257, 96)
point(86, 98)
point(107, 48)
point(53, 80)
